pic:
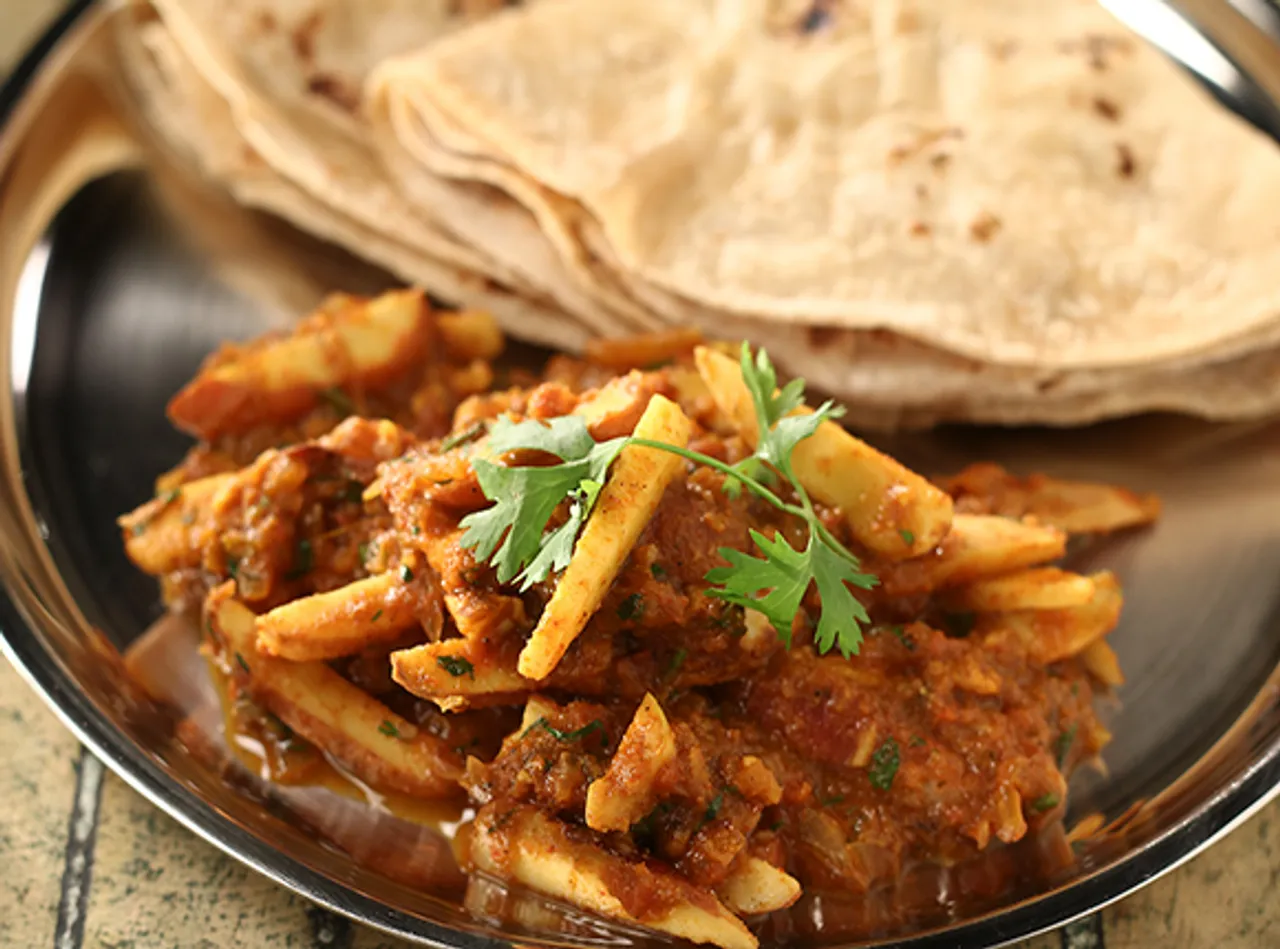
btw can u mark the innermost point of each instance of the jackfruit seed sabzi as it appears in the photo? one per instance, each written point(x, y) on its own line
point(687, 645)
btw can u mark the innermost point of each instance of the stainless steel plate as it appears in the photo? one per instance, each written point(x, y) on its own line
point(119, 274)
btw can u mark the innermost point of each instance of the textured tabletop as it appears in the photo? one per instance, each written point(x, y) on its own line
point(84, 861)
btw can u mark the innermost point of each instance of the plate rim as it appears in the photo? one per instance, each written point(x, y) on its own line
point(1247, 794)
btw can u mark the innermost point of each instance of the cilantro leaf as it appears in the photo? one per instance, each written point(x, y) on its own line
point(512, 534)
point(565, 437)
point(841, 615)
point(774, 584)
point(779, 430)
point(514, 537)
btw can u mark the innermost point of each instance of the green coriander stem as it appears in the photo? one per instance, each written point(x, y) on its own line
point(806, 513)
point(696, 456)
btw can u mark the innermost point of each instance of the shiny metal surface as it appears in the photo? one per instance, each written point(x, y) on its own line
point(1233, 46)
point(118, 276)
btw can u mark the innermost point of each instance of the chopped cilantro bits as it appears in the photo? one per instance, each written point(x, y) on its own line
point(632, 608)
point(389, 729)
point(713, 808)
point(595, 725)
point(884, 765)
point(303, 558)
point(1046, 802)
point(457, 438)
point(900, 633)
point(456, 666)
point(241, 663)
point(338, 400)
point(907, 536)
point(376, 616)
point(1062, 747)
point(406, 573)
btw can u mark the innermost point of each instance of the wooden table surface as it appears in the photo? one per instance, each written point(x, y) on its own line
point(84, 861)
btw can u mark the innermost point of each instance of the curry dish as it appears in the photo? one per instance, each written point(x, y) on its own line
point(687, 646)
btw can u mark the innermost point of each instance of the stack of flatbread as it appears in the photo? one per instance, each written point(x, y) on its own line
point(983, 210)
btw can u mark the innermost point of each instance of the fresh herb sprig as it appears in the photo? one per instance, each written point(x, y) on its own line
point(513, 534)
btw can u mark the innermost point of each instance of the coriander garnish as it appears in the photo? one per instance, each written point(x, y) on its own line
point(632, 608)
point(338, 400)
point(575, 735)
point(389, 729)
point(512, 534)
point(303, 557)
point(1062, 747)
point(884, 765)
point(468, 433)
point(406, 573)
point(456, 666)
point(1046, 802)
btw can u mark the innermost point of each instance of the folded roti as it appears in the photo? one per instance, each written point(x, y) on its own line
point(1017, 181)
point(195, 121)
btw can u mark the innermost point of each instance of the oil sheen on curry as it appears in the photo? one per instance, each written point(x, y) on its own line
point(690, 650)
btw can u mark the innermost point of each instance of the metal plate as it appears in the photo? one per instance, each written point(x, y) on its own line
point(140, 273)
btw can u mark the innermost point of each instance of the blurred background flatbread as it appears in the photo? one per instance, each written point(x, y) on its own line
point(998, 211)
point(1025, 183)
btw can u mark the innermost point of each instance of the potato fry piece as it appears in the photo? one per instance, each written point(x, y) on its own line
point(456, 674)
point(892, 510)
point(377, 745)
point(1077, 507)
point(642, 351)
point(1053, 635)
point(361, 343)
point(339, 622)
point(471, 334)
point(158, 535)
point(1101, 660)
point(539, 853)
point(1041, 588)
point(979, 546)
point(535, 707)
point(627, 501)
point(756, 886)
point(620, 796)
point(1080, 507)
point(616, 407)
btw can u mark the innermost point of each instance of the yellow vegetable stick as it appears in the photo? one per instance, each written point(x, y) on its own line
point(456, 674)
point(756, 886)
point(978, 546)
point(471, 334)
point(338, 622)
point(158, 535)
point(377, 745)
point(1101, 660)
point(626, 504)
point(890, 509)
point(1041, 588)
point(1053, 635)
point(540, 853)
point(350, 341)
point(620, 796)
